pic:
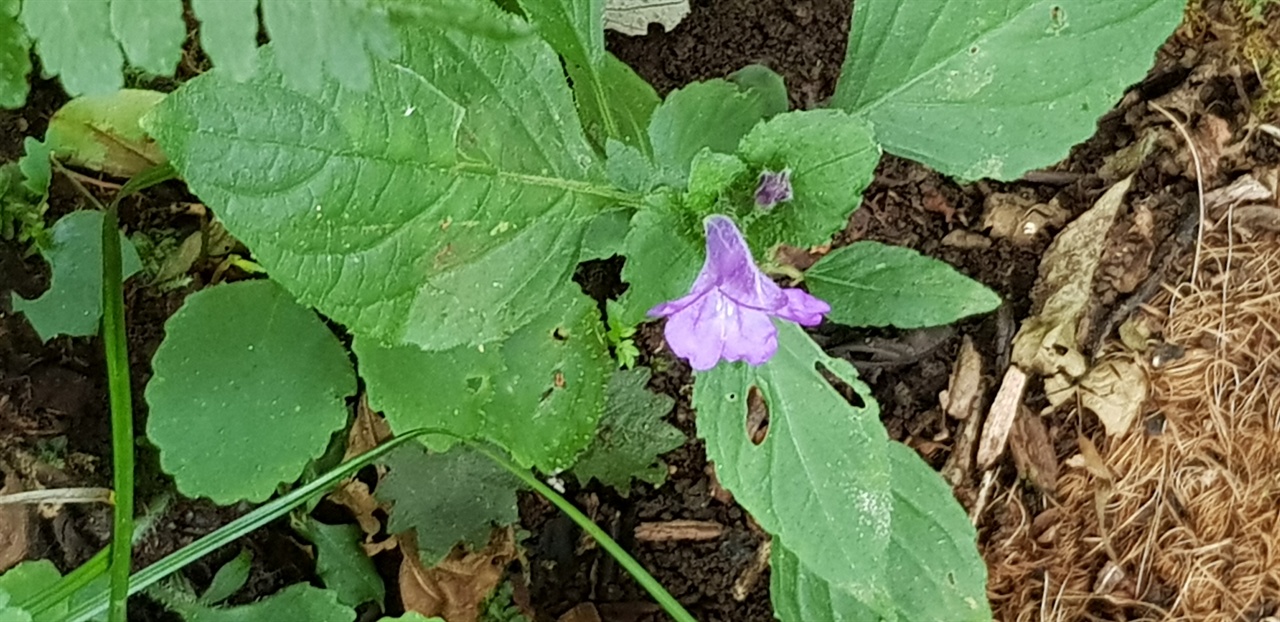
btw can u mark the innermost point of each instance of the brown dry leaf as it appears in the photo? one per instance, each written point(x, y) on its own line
point(1128, 261)
point(1091, 459)
point(367, 431)
point(585, 612)
point(1047, 342)
point(15, 526)
point(1020, 219)
point(455, 588)
point(1253, 219)
point(964, 391)
point(1125, 162)
point(679, 530)
point(354, 495)
point(1245, 189)
point(932, 201)
point(966, 240)
point(1114, 390)
point(1033, 454)
point(1211, 135)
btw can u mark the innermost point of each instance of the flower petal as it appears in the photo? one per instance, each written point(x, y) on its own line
point(715, 327)
point(730, 266)
point(752, 337)
point(803, 308)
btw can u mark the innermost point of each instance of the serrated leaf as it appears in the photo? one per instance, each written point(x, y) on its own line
point(73, 304)
point(74, 40)
point(229, 578)
point(15, 57)
point(873, 284)
point(37, 170)
point(710, 175)
point(319, 38)
point(714, 115)
point(103, 132)
point(551, 372)
point(392, 209)
point(296, 602)
point(24, 582)
point(248, 386)
point(151, 33)
point(1002, 86)
point(631, 435)
point(447, 498)
point(832, 157)
point(819, 481)
point(664, 252)
point(934, 570)
point(343, 565)
point(229, 34)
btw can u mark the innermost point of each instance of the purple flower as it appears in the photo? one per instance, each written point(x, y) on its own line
point(728, 313)
point(774, 188)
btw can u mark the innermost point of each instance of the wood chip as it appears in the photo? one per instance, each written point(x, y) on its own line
point(585, 612)
point(15, 526)
point(1033, 454)
point(679, 531)
point(964, 391)
point(995, 433)
point(750, 577)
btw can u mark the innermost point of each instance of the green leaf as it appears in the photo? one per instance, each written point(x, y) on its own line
point(296, 602)
point(994, 88)
point(607, 235)
point(37, 170)
point(575, 28)
point(934, 570)
point(631, 435)
point(764, 81)
point(73, 304)
point(447, 498)
point(24, 582)
point(628, 168)
point(248, 386)
point(343, 565)
point(873, 284)
point(151, 33)
point(229, 34)
point(664, 253)
point(710, 176)
point(538, 394)
point(103, 132)
point(615, 102)
point(319, 38)
point(392, 209)
point(484, 19)
point(819, 481)
point(15, 57)
point(832, 157)
point(714, 115)
point(74, 40)
point(229, 578)
point(412, 616)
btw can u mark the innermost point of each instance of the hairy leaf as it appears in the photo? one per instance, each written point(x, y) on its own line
point(664, 251)
point(15, 56)
point(538, 394)
point(934, 569)
point(229, 34)
point(447, 498)
point(483, 19)
point(37, 170)
point(994, 88)
point(73, 304)
point(873, 284)
point(343, 565)
point(249, 385)
point(819, 480)
point(296, 602)
point(75, 43)
point(392, 209)
point(713, 115)
point(151, 33)
point(631, 435)
point(24, 582)
point(319, 38)
point(102, 132)
point(832, 157)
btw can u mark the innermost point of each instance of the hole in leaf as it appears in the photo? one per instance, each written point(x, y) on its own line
point(951, 578)
point(560, 334)
point(475, 383)
point(841, 387)
point(757, 416)
point(973, 50)
point(732, 397)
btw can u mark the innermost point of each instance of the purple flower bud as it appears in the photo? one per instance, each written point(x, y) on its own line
point(774, 188)
point(729, 312)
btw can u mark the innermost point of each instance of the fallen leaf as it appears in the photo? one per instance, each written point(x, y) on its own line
point(1115, 391)
point(966, 240)
point(1125, 162)
point(367, 431)
point(1244, 190)
point(104, 133)
point(354, 495)
point(1047, 342)
point(632, 17)
point(1033, 454)
point(15, 526)
point(1128, 260)
point(1252, 219)
point(457, 587)
point(964, 390)
point(1020, 219)
point(585, 612)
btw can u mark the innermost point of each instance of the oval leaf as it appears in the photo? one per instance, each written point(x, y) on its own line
point(103, 133)
point(248, 387)
point(874, 284)
point(994, 88)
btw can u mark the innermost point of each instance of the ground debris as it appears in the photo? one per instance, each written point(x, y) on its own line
point(678, 531)
point(455, 588)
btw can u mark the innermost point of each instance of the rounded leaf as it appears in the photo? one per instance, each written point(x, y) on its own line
point(248, 386)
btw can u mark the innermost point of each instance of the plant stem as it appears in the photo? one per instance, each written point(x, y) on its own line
point(117, 351)
point(642, 576)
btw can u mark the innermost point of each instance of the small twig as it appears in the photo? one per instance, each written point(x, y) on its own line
point(93, 181)
point(747, 581)
point(1195, 156)
point(58, 495)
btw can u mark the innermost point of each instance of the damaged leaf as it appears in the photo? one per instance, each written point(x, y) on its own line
point(104, 133)
point(458, 586)
point(632, 17)
point(1114, 390)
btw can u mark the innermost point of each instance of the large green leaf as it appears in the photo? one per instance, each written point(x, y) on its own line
point(74, 40)
point(151, 33)
point(229, 34)
point(714, 115)
point(934, 570)
point(296, 602)
point(15, 56)
point(248, 386)
point(73, 304)
point(832, 157)
point(873, 284)
point(538, 394)
point(820, 480)
point(993, 88)
point(24, 582)
point(441, 207)
point(447, 498)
